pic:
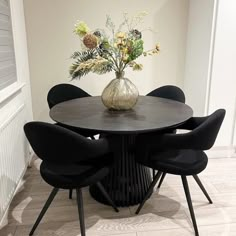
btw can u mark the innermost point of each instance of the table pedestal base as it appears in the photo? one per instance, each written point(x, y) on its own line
point(128, 181)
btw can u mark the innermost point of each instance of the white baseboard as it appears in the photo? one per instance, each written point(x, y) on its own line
point(222, 152)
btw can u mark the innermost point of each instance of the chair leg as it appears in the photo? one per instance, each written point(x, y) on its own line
point(43, 211)
point(92, 137)
point(106, 195)
point(190, 206)
point(80, 210)
point(202, 188)
point(153, 173)
point(161, 181)
point(150, 189)
point(70, 193)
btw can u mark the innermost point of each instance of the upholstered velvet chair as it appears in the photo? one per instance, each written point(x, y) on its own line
point(62, 93)
point(170, 92)
point(69, 161)
point(65, 92)
point(180, 154)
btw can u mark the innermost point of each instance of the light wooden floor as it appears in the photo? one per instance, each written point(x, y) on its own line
point(164, 214)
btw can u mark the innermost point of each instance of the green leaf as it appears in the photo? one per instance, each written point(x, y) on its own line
point(136, 49)
point(81, 57)
point(85, 56)
point(74, 73)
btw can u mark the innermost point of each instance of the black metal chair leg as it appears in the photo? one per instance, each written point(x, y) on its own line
point(43, 211)
point(153, 173)
point(150, 189)
point(106, 195)
point(190, 206)
point(70, 193)
point(161, 181)
point(202, 188)
point(80, 210)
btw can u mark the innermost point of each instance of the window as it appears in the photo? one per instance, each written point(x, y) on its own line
point(7, 56)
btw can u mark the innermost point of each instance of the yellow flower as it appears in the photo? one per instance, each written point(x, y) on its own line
point(157, 47)
point(121, 35)
point(81, 28)
point(120, 43)
point(125, 58)
point(137, 66)
point(125, 50)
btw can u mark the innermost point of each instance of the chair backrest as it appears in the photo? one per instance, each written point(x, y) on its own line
point(53, 143)
point(169, 92)
point(204, 135)
point(64, 92)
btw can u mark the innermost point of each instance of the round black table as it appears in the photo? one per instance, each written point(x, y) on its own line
point(128, 181)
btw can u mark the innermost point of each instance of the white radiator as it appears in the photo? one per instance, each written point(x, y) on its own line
point(13, 155)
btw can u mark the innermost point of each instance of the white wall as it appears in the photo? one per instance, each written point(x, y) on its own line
point(51, 42)
point(210, 79)
point(223, 82)
point(234, 130)
point(198, 54)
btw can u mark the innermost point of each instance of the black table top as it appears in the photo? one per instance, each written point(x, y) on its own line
point(149, 114)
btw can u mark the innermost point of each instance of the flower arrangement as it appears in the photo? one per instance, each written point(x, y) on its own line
point(114, 50)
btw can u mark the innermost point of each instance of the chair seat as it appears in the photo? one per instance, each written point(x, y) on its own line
point(70, 177)
point(179, 162)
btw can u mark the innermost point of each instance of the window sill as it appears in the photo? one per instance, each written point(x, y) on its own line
point(10, 91)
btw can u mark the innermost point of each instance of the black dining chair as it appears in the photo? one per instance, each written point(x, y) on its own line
point(69, 161)
point(65, 92)
point(180, 154)
point(170, 92)
point(62, 93)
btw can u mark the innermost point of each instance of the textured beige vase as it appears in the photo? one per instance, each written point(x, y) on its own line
point(120, 93)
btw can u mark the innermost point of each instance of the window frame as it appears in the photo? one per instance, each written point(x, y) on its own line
point(10, 74)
